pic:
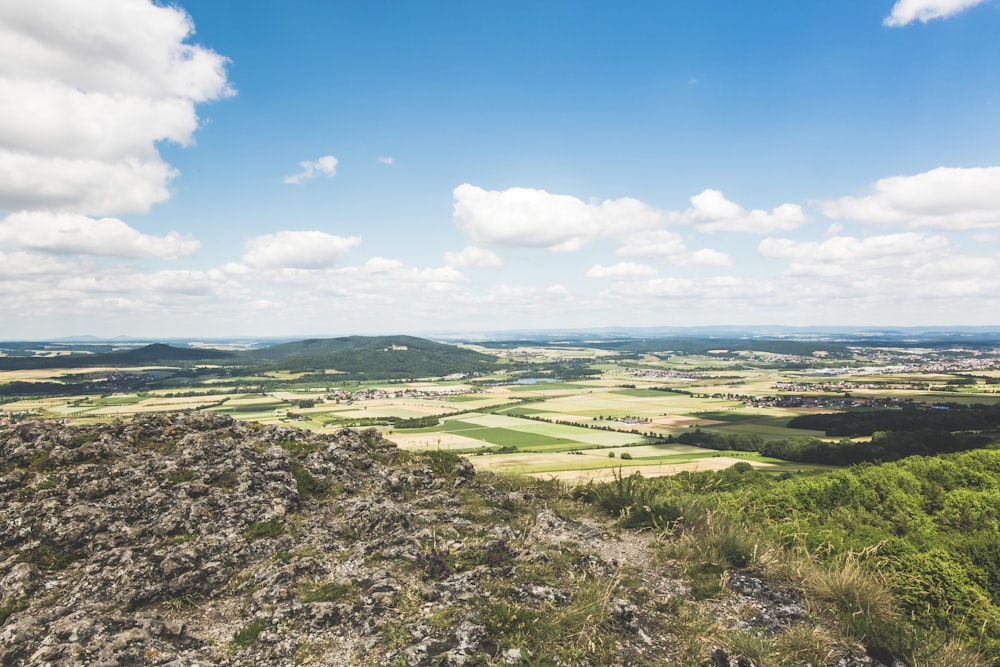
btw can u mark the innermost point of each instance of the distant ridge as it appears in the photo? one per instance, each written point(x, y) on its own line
point(374, 356)
point(149, 354)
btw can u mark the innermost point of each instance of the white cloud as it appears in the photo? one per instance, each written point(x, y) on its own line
point(842, 254)
point(621, 270)
point(21, 264)
point(324, 166)
point(655, 243)
point(536, 218)
point(905, 12)
point(296, 250)
point(943, 198)
point(889, 274)
point(86, 91)
point(68, 233)
point(473, 256)
point(670, 246)
point(711, 212)
point(703, 257)
point(716, 288)
point(386, 160)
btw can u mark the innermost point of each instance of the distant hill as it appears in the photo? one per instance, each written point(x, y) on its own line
point(157, 353)
point(373, 357)
point(369, 357)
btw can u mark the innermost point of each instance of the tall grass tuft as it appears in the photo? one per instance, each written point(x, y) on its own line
point(634, 500)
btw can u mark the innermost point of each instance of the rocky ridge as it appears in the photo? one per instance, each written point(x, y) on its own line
point(200, 540)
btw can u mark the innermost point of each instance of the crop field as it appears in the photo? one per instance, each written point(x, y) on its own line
point(582, 468)
point(579, 428)
point(482, 430)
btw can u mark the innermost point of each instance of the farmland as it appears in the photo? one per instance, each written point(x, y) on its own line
point(567, 411)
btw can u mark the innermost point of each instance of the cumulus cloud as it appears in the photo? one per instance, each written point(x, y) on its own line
point(887, 265)
point(296, 250)
point(69, 233)
point(711, 212)
point(703, 257)
point(668, 245)
point(942, 198)
point(24, 264)
point(716, 288)
point(889, 269)
point(473, 256)
point(86, 91)
point(529, 217)
point(536, 218)
point(386, 160)
point(655, 243)
point(905, 12)
point(847, 253)
point(621, 270)
point(324, 166)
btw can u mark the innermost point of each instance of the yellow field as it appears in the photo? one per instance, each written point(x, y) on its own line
point(564, 466)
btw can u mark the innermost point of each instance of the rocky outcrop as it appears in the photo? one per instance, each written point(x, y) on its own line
point(199, 540)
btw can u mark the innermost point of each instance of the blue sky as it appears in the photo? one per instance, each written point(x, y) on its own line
point(223, 168)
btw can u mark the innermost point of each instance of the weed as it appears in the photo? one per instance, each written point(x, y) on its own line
point(805, 645)
point(181, 601)
point(565, 632)
point(442, 462)
point(325, 592)
point(850, 588)
point(435, 564)
point(748, 646)
point(226, 480)
point(38, 461)
point(179, 476)
point(51, 481)
point(395, 636)
point(264, 529)
point(301, 449)
point(305, 482)
point(248, 634)
point(8, 610)
point(445, 617)
point(49, 556)
point(633, 499)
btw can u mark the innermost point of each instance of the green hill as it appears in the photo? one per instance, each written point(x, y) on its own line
point(373, 357)
point(157, 353)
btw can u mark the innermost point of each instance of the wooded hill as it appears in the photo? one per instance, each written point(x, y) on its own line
point(368, 357)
